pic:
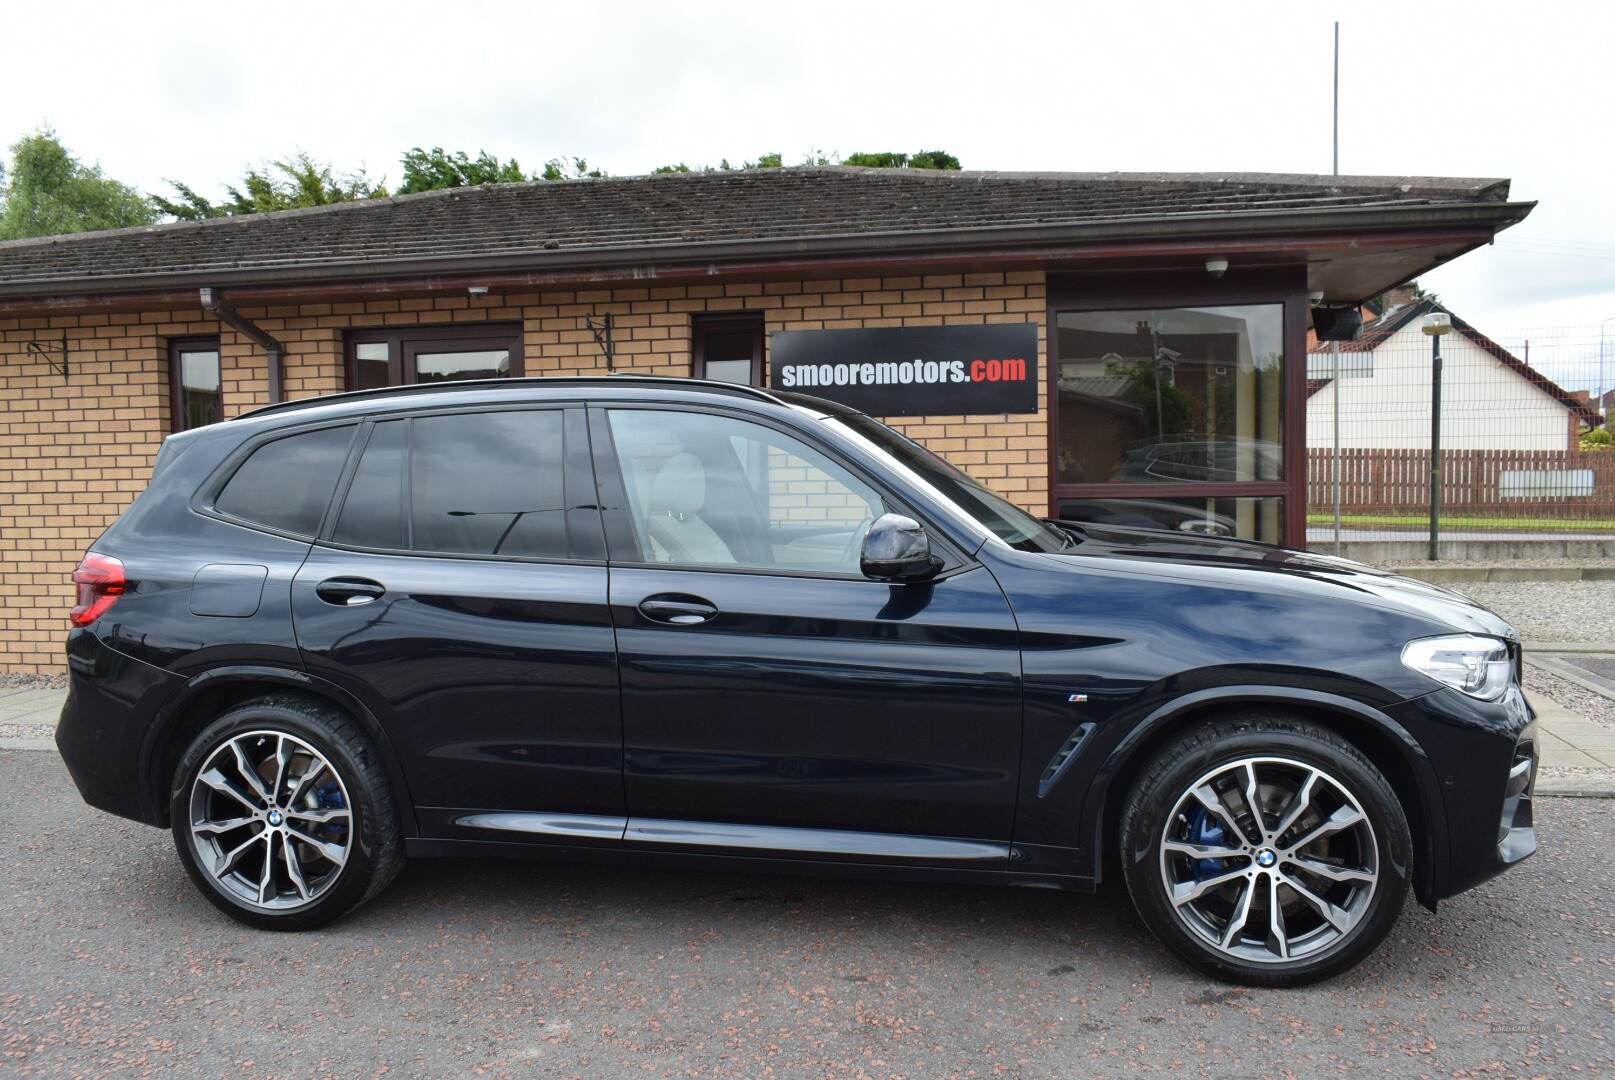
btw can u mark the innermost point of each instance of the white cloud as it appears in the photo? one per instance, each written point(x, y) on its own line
point(1472, 89)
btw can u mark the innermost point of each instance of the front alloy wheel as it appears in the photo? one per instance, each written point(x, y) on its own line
point(1268, 859)
point(1266, 850)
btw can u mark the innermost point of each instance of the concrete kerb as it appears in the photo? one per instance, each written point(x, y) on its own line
point(1436, 574)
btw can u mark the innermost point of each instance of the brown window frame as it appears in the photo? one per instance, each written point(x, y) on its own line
point(176, 388)
point(1286, 287)
point(403, 343)
point(728, 323)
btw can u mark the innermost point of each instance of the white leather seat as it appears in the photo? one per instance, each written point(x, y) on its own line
point(674, 526)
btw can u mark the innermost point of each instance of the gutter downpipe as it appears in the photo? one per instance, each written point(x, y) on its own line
point(214, 303)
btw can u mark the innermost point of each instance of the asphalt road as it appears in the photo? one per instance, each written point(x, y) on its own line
point(110, 963)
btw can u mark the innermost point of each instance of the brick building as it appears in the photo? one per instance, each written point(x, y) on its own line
point(1171, 390)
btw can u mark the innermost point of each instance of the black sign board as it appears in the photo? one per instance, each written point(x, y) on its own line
point(912, 370)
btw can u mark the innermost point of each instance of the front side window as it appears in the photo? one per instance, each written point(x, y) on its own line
point(401, 356)
point(707, 490)
point(193, 374)
point(286, 484)
point(487, 484)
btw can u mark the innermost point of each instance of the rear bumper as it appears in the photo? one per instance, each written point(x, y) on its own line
point(111, 701)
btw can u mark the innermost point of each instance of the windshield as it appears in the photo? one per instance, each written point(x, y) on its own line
point(1001, 517)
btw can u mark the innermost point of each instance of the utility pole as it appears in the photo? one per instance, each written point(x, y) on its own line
point(1337, 99)
point(1334, 346)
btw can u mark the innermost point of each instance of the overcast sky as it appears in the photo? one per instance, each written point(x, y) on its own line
point(1471, 89)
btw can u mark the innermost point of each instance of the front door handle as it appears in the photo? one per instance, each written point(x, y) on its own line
point(676, 610)
point(349, 592)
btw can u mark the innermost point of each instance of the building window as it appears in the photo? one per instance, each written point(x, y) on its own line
point(1173, 395)
point(729, 348)
point(1172, 417)
point(399, 356)
point(193, 379)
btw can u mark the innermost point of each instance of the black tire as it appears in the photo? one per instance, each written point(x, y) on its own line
point(1161, 790)
point(374, 850)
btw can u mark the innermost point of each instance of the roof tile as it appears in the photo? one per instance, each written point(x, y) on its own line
point(648, 212)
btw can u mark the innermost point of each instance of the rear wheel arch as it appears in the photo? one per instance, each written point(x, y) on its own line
point(1385, 743)
point(211, 693)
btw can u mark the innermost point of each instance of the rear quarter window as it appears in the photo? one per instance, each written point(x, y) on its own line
point(286, 484)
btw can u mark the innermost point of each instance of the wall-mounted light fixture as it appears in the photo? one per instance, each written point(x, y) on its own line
point(1216, 266)
point(478, 290)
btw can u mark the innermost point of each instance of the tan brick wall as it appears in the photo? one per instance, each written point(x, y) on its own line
point(73, 455)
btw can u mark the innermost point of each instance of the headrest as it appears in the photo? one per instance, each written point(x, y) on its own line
point(680, 486)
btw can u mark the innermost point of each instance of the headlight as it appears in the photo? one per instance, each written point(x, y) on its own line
point(1479, 666)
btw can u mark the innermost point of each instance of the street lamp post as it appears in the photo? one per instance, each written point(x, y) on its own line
point(1436, 324)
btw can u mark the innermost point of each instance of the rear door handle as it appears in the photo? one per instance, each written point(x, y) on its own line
point(676, 610)
point(349, 592)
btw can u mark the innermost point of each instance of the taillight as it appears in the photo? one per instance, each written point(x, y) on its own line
point(100, 582)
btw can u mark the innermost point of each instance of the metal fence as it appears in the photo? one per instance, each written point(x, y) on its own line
point(1515, 461)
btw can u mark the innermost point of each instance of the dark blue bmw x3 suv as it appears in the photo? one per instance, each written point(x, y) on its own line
point(673, 621)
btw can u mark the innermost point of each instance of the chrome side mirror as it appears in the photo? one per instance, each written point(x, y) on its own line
point(896, 548)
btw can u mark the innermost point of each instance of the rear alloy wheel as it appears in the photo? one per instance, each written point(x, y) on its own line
point(281, 815)
point(1275, 854)
point(270, 820)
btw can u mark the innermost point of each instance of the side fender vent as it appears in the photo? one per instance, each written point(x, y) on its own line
point(1063, 758)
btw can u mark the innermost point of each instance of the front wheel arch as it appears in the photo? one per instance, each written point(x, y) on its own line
point(1381, 739)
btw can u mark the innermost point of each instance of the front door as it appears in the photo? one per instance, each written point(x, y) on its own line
point(460, 590)
point(773, 697)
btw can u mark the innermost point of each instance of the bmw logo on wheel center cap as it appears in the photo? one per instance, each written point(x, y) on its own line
point(275, 818)
point(1266, 857)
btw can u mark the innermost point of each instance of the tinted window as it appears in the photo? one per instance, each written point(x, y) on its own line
point(287, 483)
point(373, 514)
point(711, 490)
point(489, 484)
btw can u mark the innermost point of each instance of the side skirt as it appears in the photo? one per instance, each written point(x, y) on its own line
point(438, 848)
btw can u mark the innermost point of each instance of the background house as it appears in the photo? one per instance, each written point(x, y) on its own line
point(1491, 399)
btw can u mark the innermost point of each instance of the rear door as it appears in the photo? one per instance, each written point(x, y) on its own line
point(460, 589)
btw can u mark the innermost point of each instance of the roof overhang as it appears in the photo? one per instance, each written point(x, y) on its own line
point(1351, 254)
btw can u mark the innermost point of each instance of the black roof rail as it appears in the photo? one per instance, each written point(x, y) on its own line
point(709, 385)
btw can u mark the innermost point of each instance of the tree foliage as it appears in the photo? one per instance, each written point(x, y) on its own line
point(430, 170)
point(288, 184)
point(920, 159)
point(47, 192)
point(762, 161)
point(569, 168)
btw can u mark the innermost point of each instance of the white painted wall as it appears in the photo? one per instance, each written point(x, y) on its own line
point(1485, 405)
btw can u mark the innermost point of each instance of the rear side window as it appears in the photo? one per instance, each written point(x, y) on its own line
point(287, 483)
point(373, 514)
point(464, 484)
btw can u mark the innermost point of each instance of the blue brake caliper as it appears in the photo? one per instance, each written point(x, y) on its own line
point(1204, 829)
point(329, 797)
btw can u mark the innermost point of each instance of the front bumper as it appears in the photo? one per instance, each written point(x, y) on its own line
point(112, 700)
point(1485, 757)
